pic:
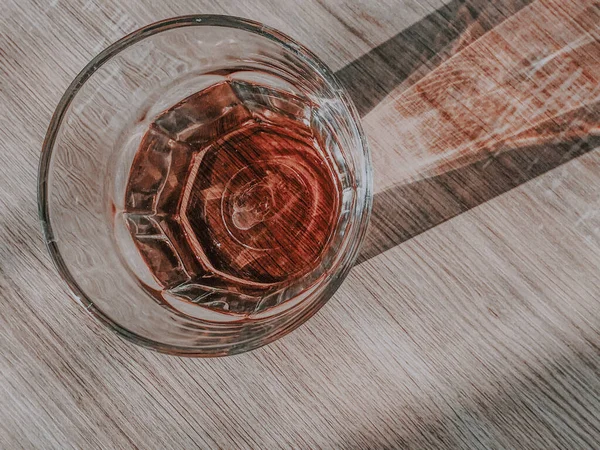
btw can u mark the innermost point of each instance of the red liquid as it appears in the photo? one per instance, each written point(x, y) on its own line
point(231, 197)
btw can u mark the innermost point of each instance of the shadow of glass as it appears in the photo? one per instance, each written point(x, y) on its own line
point(404, 211)
point(421, 47)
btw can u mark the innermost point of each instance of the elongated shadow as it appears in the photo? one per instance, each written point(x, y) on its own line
point(403, 212)
point(422, 46)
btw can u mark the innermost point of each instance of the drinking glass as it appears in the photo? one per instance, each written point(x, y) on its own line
point(87, 159)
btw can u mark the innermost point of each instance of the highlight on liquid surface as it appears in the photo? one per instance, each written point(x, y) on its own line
point(232, 197)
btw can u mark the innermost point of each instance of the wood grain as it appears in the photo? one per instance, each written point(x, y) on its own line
point(475, 332)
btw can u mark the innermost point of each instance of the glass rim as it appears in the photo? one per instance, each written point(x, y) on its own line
point(56, 121)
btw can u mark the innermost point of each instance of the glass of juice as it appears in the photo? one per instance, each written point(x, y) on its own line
point(204, 185)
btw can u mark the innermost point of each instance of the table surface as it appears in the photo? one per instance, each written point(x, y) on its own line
point(472, 317)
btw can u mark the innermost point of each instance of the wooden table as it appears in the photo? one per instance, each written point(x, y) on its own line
point(472, 318)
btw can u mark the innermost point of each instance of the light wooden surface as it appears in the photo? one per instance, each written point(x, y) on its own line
point(471, 321)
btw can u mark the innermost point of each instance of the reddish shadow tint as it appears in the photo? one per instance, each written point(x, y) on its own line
point(421, 47)
point(558, 134)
